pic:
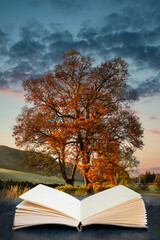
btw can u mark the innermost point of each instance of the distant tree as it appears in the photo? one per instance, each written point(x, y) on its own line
point(157, 180)
point(81, 115)
point(142, 178)
point(148, 177)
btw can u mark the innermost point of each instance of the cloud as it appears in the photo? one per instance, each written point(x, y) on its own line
point(14, 76)
point(87, 32)
point(69, 6)
point(132, 32)
point(3, 43)
point(126, 34)
point(26, 49)
point(3, 82)
point(145, 115)
point(33, 30)
point(150, 87)
point(153, 118)
point(8, 91)
point(62, 36)
point(155, 132)
point(136, 113)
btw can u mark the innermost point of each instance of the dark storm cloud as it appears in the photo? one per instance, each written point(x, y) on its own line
point(3, 82)
point(63, 36)
point(3, 37)
point(29, 47)
point(12, 76)
point(33, 30)
point(69, 6)
point(87, 32)
point(149, 87)
point(3, 43)
point(142, 46)
point(81, 45)
point(37, 51)
point(132, 33)
point(26, 50)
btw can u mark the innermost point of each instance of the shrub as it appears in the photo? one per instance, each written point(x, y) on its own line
point(10, 190)
point(144, 187)
point(73, 190)
point(13, 193)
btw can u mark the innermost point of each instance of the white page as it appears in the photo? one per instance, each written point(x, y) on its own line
point(105, 200)
point(54, 199)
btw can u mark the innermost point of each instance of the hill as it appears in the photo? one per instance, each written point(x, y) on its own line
point(11, 158)
point(155, 170)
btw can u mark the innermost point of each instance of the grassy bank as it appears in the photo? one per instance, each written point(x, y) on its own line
point(14, 183)
point(6, 174)
point(146, 189)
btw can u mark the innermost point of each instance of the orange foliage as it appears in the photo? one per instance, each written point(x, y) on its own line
point(81, 114)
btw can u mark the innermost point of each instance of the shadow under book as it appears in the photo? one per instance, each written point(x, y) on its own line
point(119, 206)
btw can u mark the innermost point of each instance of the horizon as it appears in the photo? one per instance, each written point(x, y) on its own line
point(155, 170)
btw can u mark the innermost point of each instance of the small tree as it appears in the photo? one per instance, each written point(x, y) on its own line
point(41, 162)
point(79, 113)
point(157, 180)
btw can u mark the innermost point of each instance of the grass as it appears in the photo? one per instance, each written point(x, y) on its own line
point(9, 191)
point(77, 191)
point(12, 193)
point(6, 174)
point(146, 189)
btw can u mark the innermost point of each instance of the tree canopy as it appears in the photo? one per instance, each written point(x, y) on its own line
point(81, 115)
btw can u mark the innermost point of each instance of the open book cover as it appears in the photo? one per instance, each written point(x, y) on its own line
point(116, 206)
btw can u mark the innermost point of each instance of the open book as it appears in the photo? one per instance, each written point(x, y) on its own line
point(116, 206)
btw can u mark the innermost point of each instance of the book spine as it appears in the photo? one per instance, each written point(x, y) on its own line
point(79, 227)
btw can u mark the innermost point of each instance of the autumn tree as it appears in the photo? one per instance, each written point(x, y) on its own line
point(81, 114)
point(157, 180)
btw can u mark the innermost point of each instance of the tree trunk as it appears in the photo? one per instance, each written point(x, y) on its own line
point(69, 181)
point(66, 179)
point(89, 190)
point(63, 171)
point(86, 181)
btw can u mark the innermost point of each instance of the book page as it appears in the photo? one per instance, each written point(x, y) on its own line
point(53, 199)
point(132, 213)
point(25, 220)
point(32, 207)
point(106, 200)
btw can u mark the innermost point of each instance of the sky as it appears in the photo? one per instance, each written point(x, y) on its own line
point(34, 33)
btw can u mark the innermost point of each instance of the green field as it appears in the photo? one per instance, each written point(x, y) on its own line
point(6, 174)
